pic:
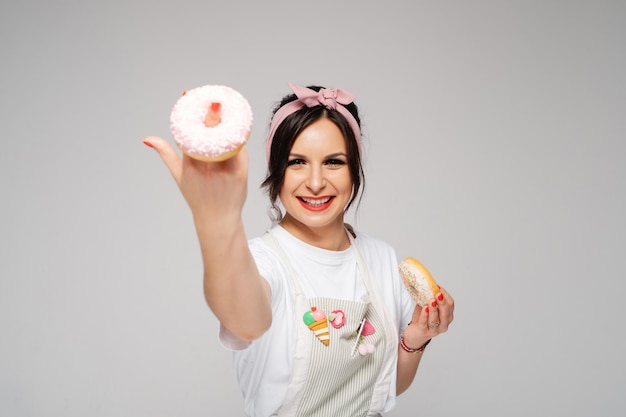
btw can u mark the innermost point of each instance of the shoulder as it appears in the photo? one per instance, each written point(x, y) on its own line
point(378, 254)
point(373, 245)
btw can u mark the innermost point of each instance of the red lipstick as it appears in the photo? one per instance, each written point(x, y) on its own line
point(313, 204)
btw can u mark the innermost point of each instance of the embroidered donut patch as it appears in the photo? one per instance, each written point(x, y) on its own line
point(337, 319)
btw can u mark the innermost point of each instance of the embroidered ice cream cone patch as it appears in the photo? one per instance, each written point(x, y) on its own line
point(317, 322)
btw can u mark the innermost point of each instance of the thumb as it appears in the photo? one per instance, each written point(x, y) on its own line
point(169, 156)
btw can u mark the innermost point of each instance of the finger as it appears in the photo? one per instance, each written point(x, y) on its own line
point(434, 321)
point(213, 115)
point(236, 165)
point(446, 295)
point(446, 309)
point(241, 162)
point(426, 316)
point(420, 317)
point(169, 156)
point(440, 297)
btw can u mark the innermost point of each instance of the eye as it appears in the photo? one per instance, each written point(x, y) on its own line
point(295, 161)
point(335, 162)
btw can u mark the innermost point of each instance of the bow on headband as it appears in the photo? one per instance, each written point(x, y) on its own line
point(334, 99)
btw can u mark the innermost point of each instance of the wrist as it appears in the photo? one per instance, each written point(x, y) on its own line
point(218, 227)
point(409, 349)
point(408, 346)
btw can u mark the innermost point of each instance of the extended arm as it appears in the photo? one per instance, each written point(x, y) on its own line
point(215, 192)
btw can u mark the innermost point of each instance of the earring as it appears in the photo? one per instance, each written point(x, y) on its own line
point(274, 213)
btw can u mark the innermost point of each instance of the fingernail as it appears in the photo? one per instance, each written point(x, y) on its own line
point(433, 303)
point(213, 118)
point(440, 297)
point(145, 142)
point(184, 92)
point(426, 309)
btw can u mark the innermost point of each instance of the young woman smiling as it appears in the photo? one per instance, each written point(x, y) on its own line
point(315, 313)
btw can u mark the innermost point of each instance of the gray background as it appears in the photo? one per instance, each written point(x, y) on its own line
point(495, 154)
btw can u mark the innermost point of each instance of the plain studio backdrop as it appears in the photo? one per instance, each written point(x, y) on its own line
point(495, 147)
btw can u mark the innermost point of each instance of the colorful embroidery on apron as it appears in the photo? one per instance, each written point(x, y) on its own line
point(365, 329)
point(337, 319)
point(317, 322)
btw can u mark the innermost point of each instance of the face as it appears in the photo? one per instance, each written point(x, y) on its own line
point(317, 185)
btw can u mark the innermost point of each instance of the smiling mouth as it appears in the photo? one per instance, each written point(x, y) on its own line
point(316, 203)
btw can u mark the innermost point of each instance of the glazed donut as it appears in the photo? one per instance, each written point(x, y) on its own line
point(223, 141)
point(418, 281)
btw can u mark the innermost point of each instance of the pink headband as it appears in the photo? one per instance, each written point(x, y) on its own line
point(312, 98)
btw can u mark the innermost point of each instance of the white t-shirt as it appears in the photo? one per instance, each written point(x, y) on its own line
point(263, 367)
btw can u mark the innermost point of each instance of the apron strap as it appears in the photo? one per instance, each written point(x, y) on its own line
point(302, 348)
point(381, 390)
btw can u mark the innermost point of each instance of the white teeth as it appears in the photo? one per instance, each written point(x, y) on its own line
point(315, 202)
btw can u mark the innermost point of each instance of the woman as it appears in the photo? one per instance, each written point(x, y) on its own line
point(271, 293)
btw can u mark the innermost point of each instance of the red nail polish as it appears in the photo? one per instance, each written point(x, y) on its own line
point(216, 106)
point(145, 142)
point(434, 303)
point(440, 297)
point(426, 309)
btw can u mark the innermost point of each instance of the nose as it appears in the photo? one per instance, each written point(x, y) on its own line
point(316, 180)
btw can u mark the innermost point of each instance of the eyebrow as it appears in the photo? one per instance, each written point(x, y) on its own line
point(332, 155)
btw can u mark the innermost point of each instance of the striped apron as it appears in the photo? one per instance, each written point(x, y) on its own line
point(337, 379)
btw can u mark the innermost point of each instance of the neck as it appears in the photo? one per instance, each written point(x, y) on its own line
point(331, 237)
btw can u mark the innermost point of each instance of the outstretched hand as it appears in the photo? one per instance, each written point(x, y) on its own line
point(212, 189)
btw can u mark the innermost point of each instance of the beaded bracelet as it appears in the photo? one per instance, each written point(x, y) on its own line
point(411, 350)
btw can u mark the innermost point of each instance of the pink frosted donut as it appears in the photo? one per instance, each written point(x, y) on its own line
point(211, 143)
